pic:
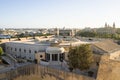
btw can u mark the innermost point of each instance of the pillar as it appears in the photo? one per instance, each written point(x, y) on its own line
point(50, 57)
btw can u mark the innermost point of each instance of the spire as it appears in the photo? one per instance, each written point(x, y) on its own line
point(105, 24)
point(113, 24)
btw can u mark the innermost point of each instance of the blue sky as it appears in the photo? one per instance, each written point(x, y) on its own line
point(58, 13)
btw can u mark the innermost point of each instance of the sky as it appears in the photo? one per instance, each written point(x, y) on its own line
point(58, 13)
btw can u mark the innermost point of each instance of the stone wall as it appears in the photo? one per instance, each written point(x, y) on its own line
point(115, 55)
point(42, 73)
point(108, 69)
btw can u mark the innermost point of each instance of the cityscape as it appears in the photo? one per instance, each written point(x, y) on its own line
point(59, 40)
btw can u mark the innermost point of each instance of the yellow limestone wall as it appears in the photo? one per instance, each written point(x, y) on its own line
point(108, 69)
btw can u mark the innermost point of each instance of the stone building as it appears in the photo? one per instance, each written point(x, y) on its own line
point(65, 32)
point(105, 47)
point(109, 69)
point(55, 55)
point(31, 51)
point(107, 29)
point(25, 50)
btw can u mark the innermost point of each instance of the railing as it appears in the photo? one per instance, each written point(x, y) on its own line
point(8, 60)
point(11, 57)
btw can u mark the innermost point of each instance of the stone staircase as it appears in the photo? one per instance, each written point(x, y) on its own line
point(9, 59)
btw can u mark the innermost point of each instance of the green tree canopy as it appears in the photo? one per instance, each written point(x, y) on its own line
point(99, 35)
point(87, 34)
point(80, 57)
point(1, 51)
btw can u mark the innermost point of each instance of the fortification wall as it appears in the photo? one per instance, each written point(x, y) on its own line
point(108, 69)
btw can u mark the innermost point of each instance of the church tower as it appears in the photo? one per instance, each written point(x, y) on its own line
point(106, 24)
point(57, 31)
point(113, 24)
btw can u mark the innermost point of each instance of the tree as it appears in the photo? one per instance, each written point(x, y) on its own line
point(80, 57)
point(87, 34)
point(1, 51)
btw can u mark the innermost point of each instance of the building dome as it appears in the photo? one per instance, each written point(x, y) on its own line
point(55, 50)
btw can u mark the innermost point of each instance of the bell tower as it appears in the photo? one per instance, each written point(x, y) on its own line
point(113, 24)
point(106, 24)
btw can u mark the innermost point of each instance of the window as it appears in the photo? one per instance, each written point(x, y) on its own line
point(20, 49)
point(61, 57)
point(35, 51)
point(25, 50)
point(47, 57)
point(54, 57)
point(41, 56)
point(29, 51)
point(15, 49)
point(11, 49)
point(29, 57)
